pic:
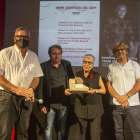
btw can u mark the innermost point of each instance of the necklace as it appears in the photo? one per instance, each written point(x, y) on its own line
point(86, 75)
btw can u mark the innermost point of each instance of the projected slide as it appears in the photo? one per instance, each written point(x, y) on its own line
point(72, 24)
point(118, 24)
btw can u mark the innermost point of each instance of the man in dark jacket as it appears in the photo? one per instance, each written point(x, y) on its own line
point(56, 79)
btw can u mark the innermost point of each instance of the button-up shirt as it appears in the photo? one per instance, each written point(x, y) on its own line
point(18, 70)
point(58, 85)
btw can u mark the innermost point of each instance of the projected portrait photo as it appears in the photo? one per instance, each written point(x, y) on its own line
point(118, 28)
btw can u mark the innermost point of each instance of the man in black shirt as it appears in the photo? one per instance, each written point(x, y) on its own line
point(56, 79)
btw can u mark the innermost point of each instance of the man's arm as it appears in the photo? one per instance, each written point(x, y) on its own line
point(21, 91)
point(133, 91)
point(33, 86)
point(39, 95)
point(70, 71)
point(110, 89)
point(34, 83)
point(114, 94)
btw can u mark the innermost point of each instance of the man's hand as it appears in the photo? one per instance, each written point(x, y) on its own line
point(67, 92)
point(30, 99)
point(125, 105)
point(91, 91)
point(21, 91)
point(43, 110)
point(122, 99)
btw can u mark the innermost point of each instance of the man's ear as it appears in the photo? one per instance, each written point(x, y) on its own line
point(14, 38)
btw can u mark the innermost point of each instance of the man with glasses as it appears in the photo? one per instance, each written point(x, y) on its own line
point(56, 79)
point(123, 85)
point(19, 76)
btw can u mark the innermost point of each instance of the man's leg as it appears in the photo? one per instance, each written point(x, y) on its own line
point(7, 115)
point(62, 116)
point(133, 116)
point(22, 123)
point(49, 118)
point(119, 116)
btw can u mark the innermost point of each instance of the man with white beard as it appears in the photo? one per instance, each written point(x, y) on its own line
point(123, 85)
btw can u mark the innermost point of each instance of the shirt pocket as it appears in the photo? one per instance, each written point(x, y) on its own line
point(30, 69)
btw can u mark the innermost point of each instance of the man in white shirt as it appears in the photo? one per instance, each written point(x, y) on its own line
point(19, 76)
point(123, 85)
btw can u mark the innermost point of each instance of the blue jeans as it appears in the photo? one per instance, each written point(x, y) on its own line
point(62, 115)
point(133, 116)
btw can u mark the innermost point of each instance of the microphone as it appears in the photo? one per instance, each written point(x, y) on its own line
point(40, 101)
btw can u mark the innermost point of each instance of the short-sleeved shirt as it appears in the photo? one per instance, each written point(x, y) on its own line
point(123, 79)
point(17, 70)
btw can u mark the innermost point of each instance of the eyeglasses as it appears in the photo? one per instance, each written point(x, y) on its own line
point(89, 63)
point(119, 50)
point(22, 36)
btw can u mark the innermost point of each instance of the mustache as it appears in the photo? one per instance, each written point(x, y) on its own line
point(121, 53)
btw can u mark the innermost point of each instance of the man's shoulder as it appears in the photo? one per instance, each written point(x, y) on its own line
point(45, 63)
point(32, 53)
point(7, 49)
point(79, 73)
point(112, 64)
point(134, 63)
point(65, 61)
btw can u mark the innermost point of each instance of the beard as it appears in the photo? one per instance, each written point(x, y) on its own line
point(121, 57)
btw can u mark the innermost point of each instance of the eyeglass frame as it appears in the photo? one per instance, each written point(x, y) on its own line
point(22, 36)
point(119, 50)
point(89, 62)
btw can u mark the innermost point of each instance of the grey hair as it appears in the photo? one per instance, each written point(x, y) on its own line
point(89, 56)
point(121, 5)
point(126, 47)
point(23, 28)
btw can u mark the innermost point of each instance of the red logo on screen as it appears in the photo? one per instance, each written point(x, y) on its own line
point(91, 76)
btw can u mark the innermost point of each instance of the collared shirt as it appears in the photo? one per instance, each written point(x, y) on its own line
point(17, 70)
point(123, 79)
point(58, 85)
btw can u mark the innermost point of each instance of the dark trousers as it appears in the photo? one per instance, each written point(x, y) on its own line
point(89, 129)
point(133, 116)
point(10, 116)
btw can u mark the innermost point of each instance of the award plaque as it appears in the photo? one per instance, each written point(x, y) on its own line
point(76, 85)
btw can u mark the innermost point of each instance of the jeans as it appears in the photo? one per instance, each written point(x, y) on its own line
point(62, 115)
point(10, 117)
point(133, 116)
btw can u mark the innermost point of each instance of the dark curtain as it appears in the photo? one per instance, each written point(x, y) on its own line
point(2, 22)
